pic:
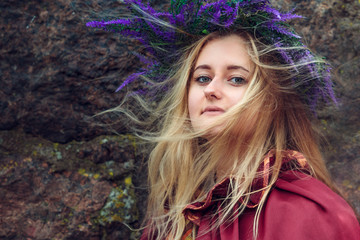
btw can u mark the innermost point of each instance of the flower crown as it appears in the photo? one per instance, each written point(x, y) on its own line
point(165, 35)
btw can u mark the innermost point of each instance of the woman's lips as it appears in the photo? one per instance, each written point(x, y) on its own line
point(212, 110)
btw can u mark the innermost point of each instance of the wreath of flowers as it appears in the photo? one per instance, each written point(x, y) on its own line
point(165, 35)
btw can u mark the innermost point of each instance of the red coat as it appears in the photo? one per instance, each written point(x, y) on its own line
point(299, 207)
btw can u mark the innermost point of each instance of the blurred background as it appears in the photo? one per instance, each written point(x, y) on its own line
point(65, 174)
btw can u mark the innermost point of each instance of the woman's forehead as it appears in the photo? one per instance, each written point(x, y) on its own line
point(228, 52)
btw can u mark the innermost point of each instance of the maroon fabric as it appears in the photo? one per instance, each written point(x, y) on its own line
point(299, 207)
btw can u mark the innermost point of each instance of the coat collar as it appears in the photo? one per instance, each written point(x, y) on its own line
point(194, 211)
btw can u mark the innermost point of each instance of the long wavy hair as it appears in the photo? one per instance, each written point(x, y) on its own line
point(183, 163)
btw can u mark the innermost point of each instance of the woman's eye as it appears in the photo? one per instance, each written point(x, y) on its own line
point(237, 80)
point(203, 79)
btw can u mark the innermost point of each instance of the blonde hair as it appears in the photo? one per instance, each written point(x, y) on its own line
point(182, 166)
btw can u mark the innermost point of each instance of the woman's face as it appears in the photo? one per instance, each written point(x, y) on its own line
point(219, 80)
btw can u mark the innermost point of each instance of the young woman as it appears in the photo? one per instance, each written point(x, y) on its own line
point(236, 155)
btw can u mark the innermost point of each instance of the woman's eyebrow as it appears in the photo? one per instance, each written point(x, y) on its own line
point(230, 67)
point(234, 67)
point(204, 66)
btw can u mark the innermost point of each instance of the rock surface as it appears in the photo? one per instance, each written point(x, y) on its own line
point(69, 191)
point(63, 173)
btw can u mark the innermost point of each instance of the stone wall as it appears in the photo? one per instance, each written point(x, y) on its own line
point(65, 174)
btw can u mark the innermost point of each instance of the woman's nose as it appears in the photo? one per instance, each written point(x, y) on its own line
point(213, 90)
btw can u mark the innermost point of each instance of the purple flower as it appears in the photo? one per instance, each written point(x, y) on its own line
point(130, 79)
point(283, 53)
point(280, 29)
point(273, 11)
point(119, 21)
point(96, 24)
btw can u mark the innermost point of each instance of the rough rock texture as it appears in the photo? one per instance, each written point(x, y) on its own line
point(55, 72)
point(80, 190)
point(65, 176)
point(48, 203)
